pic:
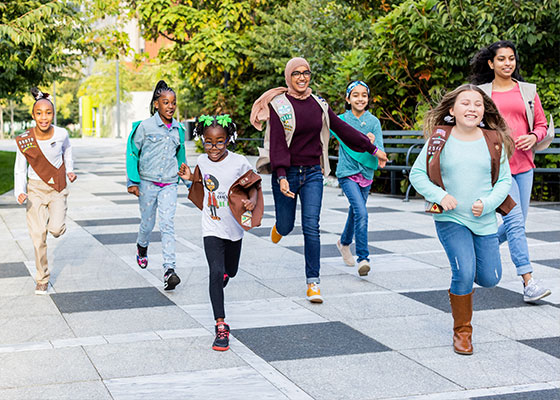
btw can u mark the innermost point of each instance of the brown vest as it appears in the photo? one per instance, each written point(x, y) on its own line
point(238, 191)
point(29, 147)
point(437, 141)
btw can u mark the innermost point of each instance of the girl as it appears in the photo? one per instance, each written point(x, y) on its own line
point(228, 192)
point(496, 70)
point(297, 155)
point(44, 156)
point(154, 152)
point(463, 171)
point(355, 175)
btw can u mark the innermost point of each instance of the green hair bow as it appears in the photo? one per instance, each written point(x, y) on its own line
point(206, 119)
point(224, 120)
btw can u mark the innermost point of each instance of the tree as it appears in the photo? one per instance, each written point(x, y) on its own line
point(423, 47)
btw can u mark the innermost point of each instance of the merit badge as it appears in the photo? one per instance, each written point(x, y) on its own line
point(246, 218)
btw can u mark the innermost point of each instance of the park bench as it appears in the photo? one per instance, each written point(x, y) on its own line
point(408, 144)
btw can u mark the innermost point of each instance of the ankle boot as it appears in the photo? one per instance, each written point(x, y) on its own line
point(461, 309)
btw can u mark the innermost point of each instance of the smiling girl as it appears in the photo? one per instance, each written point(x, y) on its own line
point(496, 70)
point(155, 151)
point(43, 162)
point(229, 194)
point(463, 173)
point(355, 175)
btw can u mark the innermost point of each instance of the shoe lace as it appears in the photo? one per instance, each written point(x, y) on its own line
point(222, 333)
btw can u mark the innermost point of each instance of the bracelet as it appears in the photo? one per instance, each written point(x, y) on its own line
point(280, 178)
point(375, 151)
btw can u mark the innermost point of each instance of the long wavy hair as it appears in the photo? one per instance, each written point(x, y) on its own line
point(491, 118)
point(481, 71)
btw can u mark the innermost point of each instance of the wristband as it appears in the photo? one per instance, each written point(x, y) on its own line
point(280, 178)
point(375, 151)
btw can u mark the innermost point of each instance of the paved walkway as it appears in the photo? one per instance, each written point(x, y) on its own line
point(108, 331)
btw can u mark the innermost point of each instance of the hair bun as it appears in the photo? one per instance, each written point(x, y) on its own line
point(36, 93)
point(161, 85)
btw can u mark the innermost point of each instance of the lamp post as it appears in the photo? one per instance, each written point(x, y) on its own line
point(54, 101)
point(118, 103)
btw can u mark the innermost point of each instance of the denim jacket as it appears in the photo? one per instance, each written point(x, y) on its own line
point(158, 149)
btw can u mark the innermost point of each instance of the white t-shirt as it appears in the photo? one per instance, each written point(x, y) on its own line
point(56, 149)
point(217, 178)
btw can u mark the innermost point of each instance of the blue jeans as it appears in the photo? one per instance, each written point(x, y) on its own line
point(164, 199)
point(513, 228)
point(307, 184)
point(357, 221)
point(473, 258)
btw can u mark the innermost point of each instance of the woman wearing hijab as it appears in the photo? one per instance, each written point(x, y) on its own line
point(297, 155)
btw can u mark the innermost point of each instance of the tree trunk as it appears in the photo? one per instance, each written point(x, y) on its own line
point(12, 127)
point(1, 122)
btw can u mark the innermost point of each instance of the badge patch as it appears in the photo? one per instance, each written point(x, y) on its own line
point(246, 218)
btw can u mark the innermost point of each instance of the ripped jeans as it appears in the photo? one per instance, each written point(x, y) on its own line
point(473, 258)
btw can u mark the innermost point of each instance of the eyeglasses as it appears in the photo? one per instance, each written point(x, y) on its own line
point(297, 74)
point(219, 145)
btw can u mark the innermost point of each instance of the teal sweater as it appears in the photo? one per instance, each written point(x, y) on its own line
point(466, 173)
point(348, 166)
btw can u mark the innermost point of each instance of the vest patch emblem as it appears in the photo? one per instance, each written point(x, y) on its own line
point(51, 181)
point(284, 109)
point(246, 218)
point(26, 144)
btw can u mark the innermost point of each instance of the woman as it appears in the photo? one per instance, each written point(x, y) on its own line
point(298, 156)
point(496, 70)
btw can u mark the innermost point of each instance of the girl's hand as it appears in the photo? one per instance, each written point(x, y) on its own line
point(371, 137)
point(248, 204)
point(525, 142)
point(381, 157)
point(185, 172)
point(21, 198)
point(448, 202)
point(134, 190)
point(71, 176)
point(285, 188)
point(477, 208)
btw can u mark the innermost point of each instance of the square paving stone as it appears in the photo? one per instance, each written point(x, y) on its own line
point(103, 194)
point(397, 234)
point(547, 345)
point(116, 299)
point(330, 250)
point(108, 221)
point(13, 270)
point(553, 263)
point(483, 299)
point(550, 394)
point(549, 236)
point(371, 210)
point(90, 390)
point(109, 173)
point(124, 238)
point(292, 342)
point(125, 201)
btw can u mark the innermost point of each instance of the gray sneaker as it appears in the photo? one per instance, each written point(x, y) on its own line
point(533, 292)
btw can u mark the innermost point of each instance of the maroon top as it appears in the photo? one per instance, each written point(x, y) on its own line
point(305, 148)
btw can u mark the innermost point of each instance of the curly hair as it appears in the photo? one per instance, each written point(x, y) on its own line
point(491, 119)
point(161, 87)
point(481, 71)
point(216, 121)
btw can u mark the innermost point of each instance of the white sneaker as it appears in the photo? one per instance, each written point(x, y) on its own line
point(363, 267)
point(346, 254)
point(533, 292)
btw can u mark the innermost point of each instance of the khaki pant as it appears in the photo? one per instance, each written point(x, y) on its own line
point(46, 212)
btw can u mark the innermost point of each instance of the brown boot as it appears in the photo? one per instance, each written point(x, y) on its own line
point(461, 309)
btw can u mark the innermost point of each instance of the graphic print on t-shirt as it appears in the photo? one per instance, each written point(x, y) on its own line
point(212, 184)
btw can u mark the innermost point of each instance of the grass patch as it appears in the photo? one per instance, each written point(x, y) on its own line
point(7, 160)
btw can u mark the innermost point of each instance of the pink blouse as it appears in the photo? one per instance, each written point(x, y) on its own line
point(511, 106)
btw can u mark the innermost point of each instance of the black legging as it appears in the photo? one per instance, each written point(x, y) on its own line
point(223, 258)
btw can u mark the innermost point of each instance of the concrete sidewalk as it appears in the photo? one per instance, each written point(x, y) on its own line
point(107, 330)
